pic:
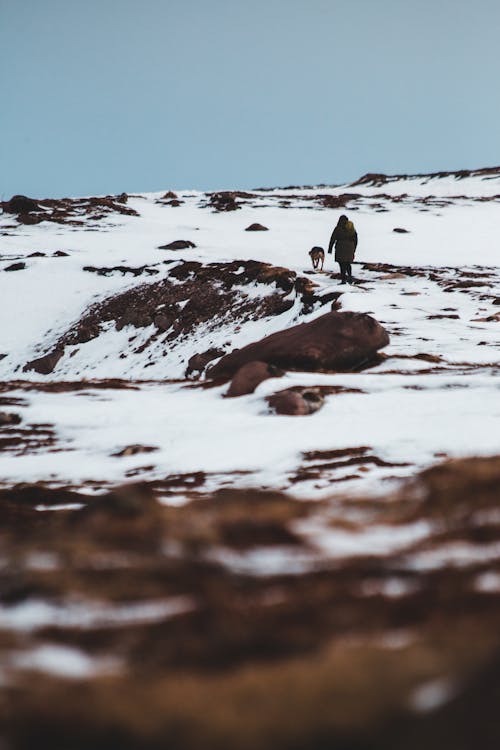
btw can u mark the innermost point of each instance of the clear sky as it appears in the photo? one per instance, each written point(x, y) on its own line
point(101, 96)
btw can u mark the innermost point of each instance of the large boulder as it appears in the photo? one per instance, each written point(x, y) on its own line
point(335, 341)
point(250, 376)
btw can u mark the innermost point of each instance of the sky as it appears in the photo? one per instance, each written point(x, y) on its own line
point(100, 96)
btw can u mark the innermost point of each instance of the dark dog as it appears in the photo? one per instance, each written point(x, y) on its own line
point(317, 256)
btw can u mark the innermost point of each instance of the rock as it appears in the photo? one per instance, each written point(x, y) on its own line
point(9, 418)
point(134, 317)
point(296, 402)
point(338, 341)
point(37, 255)
point(60, 254)
point(198, 362)
point(177, 245)
point(15, 267)
point(20, 204)
point(256, 228)
point(401, 230)
point(44, 365)
point(164, 320)
point(250, 376)
point(133, 450)
point(29, 218)
point(224, 201)
point(122, 198)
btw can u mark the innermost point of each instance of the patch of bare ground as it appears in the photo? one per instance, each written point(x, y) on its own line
point(319, 464)
point(367, 649)
point(19, 439)
point(68, 386)
point(191, 295)
point(72, 211)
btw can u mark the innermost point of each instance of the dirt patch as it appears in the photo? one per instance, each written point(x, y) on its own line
point(190, 296)
point(344, 644)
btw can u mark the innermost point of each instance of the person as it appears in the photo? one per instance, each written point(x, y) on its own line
point(346, 241)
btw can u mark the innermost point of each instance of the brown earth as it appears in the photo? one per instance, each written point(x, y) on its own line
point(72, 211)
point(191, 295)
point(341, 652)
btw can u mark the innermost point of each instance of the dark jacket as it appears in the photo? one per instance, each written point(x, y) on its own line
point(346, 240)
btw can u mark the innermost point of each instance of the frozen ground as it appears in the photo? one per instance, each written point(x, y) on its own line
point(434, 395)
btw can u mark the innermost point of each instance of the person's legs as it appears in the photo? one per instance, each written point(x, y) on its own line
point(348, 271)
point(342, 267)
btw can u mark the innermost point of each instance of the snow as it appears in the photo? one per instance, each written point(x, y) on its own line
point(33, 614)
point(431, 695)
point(63, 661)
point(409, 410)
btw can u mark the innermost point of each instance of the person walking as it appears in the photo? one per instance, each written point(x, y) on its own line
point(345, 238)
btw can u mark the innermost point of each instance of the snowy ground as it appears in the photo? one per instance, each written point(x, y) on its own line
point(436, 394)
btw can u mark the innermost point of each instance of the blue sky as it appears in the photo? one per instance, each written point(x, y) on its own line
point(103, 96)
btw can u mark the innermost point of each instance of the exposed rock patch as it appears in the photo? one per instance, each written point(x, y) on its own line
point(16, 267)
point(177, 245)
point(227, 200)
point(249, 376)
point(334, 341)
point(296, 401)
point(72, 211)
point(46, 364)
point(198, 362)
point(190, 296)
point(20, 204)
point(256, 228)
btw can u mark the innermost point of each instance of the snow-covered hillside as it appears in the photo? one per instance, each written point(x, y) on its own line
point(203, 559)
point(435, 287)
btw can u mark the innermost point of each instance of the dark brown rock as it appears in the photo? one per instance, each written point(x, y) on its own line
point(164, 320)
point(224, 201)
point(401, 230)
point(256, 228)
point(44, 365)
point(20, 204)
point(37, 255)
point(60, 254)
point(177, 245)
point(335, 341)
point(250, 376)
point(29, 218)
point(296, 402)
point(15, 267)
point(198, 362)
point(9, 418)
point(134, 317)
point(133, 450)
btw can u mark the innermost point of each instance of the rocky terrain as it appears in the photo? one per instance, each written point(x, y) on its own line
point(244, 505)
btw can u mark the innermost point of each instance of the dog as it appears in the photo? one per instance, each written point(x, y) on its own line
point(317, 255)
